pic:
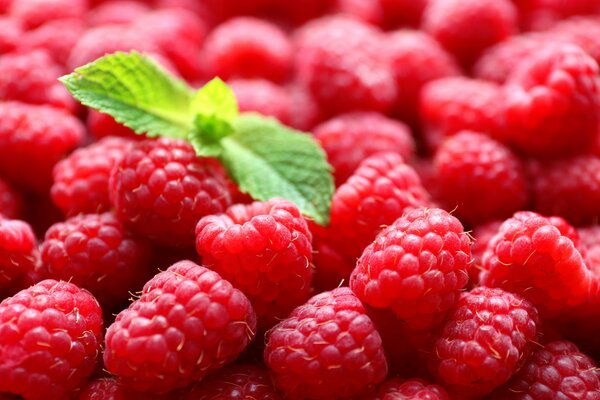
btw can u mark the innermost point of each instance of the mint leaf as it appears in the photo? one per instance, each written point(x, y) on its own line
point(136, 92)
point(268, 160)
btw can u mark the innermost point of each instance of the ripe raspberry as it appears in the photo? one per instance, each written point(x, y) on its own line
point(188, 322)
point(550, 102)
point(113, 12)
point(32, 140)
point(412, 389)
point(482, 235)
point(81, 180)
point(450, 105)
point(33, 13)
point(305, 113)
point(467, 27)
point(556, 371)
point(543, 14)
point(264, 250)
point(485, 340)
point(11, 32)
point(367, 11)
point(112, 389)
point(342, 63)
point(376, 195)
point(532, 257)
point(300, 11)
point(50, 335)
point(350, 138)
point(5, 5)
point(101, 125)
point(33, 78)
point(417, 267)
point(580, 31)
point(409, 51)
point(178, 35)
point(262, 96)
point(161, 189)
point(569, 188)
point(402, 12)
point(11, 203)
point(246, 47)
point(18, 251)
point(239, 381)
point(55, 37)
point(479, 177)
point(327, 348)
point(95, 252)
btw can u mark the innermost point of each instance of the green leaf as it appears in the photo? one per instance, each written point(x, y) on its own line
point(216, 98)
point(269, 160)
point(136, 92)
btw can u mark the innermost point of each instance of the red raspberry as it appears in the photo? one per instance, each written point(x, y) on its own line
point(350, 138)
point(556, 371)
point(467, 27)
point(304, 111)
point(409, 51)
point(32, 140)
point(263, 249)
point(482, 235)
point(551, 102)
point(569, 188)
point(580, 31)
point(33, 78)
point(450, 105)
point(112, 389)
point(5, 5)
point(412, 389)
point(376, 195)
point(485, 340)
point(417, 267)
point(589, 246)
point(543, 14)
point(479, 177)
point(33, 13)
point(55, 37)
point(239, 381)
point(101, 125)
point(263, 97)
point(327, 348)
point(161, 189)
point(81, 180)
point(18, 251)
point(367, 11)
point(246, 47)
point(532, 257)
point(11, 203)
point(188, 322)
point(113, 12)
point(11, 33)
point(402, 12)
point(342, 63)
point(95, 252)
point(50, 335)
point(178, 35)
point(300, 11)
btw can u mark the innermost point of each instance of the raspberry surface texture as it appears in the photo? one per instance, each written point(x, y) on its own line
point(327, 348)
point(262, 96)
point(33, 13)
point(412, 389)
point(187, 323)
point(18, 251)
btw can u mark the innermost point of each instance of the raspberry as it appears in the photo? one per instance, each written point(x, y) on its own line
point(467, 27)
point(50, 335)
point(161, 189)
point(262, 96)
point(81, 180)
point(10, 34)
point(95, 252)
point(11, 203)
point(367, 11)
point(187, 322)
point(376, 195)
point(409, 51)
point(247, 47)
point(239, 381)
point(482, 235)
point(480, 178)
point(327, 348)
point(339, 60)
point(569, 188)
point(114, 12)
point(580, 31)
point(300, 11)
point(55, 37)
point(178, 35)
point(402, 12)
point(412, 389)
point(112, 389)
point(417, 267)
point(450, 105)
point(484, 341)
point(543, 14)
point(5, 5)
point(550, 102)
point(263, 249)
point(32, 140)
point(556, 371)
point(33, 13)
point(33, 78)
point(101, 125)
point(304, 111)
point(350, 138)
point(532, 257)
point(18, 251)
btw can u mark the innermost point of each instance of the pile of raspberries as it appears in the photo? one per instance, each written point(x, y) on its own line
point(462, 260)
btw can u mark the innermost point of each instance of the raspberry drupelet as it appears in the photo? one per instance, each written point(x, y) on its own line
point(187, 323)
point(18, 252)
point(411, 389)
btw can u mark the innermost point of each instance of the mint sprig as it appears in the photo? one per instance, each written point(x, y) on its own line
point(265, 158)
